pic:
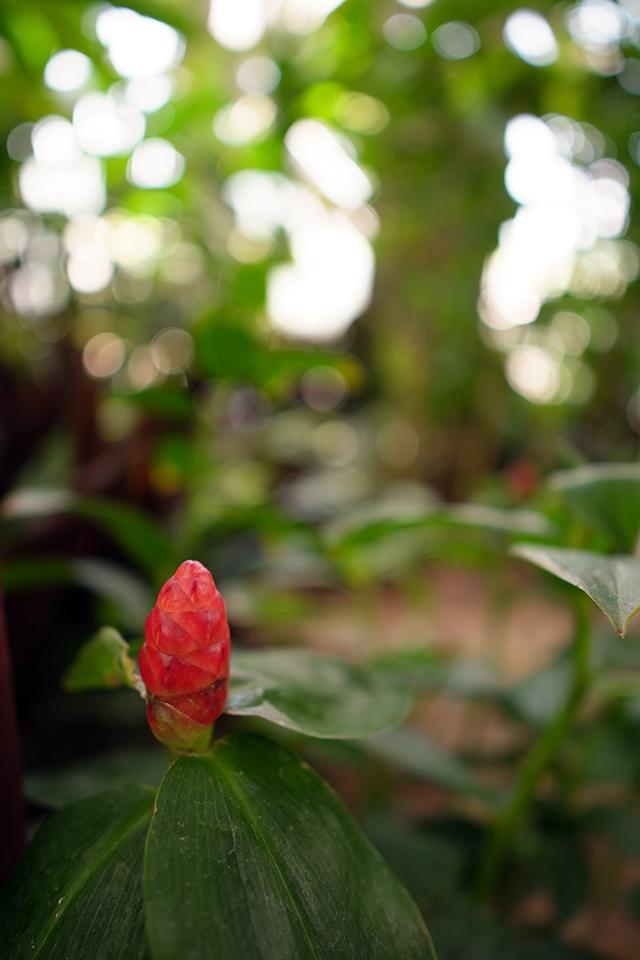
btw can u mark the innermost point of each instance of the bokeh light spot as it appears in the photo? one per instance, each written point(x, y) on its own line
point(67, 70)
point(171, 350)
point(154, 164)
point(456, 40)
point(246, 120)
point(103, 355)
point(404, 31)
point(529, 35)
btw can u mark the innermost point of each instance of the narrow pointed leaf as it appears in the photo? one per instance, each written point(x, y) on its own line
point(314, 695)
point(251, 855)
point(78, 891)
point(103, 661)
point(612, 582)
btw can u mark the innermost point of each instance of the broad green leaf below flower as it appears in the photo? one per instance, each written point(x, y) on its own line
point(251, 855)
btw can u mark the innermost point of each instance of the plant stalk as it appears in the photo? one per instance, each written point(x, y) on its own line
point(538, 760)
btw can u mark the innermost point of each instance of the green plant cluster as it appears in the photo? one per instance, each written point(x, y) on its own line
point(365, 497)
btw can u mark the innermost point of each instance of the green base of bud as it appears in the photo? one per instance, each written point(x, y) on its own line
point(178, 732)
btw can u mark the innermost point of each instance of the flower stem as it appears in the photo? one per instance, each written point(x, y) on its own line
point(538, 760)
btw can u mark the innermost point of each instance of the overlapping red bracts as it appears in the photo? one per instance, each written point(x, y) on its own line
point(184, 661)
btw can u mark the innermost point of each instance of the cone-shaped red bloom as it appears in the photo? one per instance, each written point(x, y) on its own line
point(184, 660)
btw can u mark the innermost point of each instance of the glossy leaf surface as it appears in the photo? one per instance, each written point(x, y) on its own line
point(314, 695)
point(612, 582)
point(78, 891)
point(251, 855)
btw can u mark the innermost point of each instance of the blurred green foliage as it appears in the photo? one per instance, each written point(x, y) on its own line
point(186, 370)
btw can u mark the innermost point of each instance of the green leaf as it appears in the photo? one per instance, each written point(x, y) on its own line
point(538, 697)
point(27, 573)
point(475, 516)
point(129, 595)
point(231, 352)
point(480, 516)
point(607, 496)
point(103, 661)
point(138, 535)
point(78, 891)
point(422, 670)
point(250, 855)
point(168, 401)
point(429, 865)
point(384, 539)
point(612, 582)
point(313, 694)
point(56, 785)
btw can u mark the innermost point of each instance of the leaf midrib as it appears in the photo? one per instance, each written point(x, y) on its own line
point(263, 840)
point(76, 887)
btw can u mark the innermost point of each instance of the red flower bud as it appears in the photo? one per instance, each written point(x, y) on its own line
point(184, 660)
